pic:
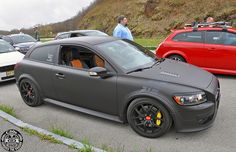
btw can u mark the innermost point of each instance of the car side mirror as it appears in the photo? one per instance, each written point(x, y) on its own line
point(99, 72)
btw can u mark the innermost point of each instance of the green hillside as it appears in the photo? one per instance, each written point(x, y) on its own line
point(147, 18)
point(152, 18)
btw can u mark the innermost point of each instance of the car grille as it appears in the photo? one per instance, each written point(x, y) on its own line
point(7, 68)
point(9, 77)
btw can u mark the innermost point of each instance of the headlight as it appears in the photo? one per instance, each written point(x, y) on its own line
point(17, 48)
point(192, 99)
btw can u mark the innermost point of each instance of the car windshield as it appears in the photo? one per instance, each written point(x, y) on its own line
point(94, 33)
point(128, 55)
point(22, 39)
point(5, 47)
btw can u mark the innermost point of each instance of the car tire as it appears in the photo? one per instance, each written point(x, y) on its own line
point(148, 117)
point(177, 58)
point(30, 93)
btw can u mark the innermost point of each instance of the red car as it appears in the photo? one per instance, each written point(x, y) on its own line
point(211, 48)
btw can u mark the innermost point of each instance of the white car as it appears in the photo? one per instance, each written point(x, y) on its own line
point(8, 58)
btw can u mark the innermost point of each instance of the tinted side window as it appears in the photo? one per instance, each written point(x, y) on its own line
point(214, 37)
point(81, 58)
point(63, 36)
point(189, 37)
point(221, 37)
point(44, 54)
point(229, 38)
point(75, 35)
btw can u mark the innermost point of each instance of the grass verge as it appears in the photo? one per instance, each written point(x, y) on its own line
point(41, 135)
point(46, 39)
point(107, 148)
point(149, 42)
point(61, 132)
point(8, 109)
point(72, 146)
point(86, 148)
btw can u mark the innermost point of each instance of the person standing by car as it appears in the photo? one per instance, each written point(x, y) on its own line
point(121, 30)
point(210, 19)
point(36, 33)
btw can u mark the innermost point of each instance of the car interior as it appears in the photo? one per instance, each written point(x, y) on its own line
point(75, 35)
point(79, 57)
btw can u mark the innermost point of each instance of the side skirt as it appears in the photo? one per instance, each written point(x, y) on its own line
point(84, 110)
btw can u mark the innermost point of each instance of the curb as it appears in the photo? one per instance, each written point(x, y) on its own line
point(64, 140)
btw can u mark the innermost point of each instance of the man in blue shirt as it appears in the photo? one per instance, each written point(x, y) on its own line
point(121, 30)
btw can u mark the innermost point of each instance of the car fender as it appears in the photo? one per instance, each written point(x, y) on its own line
point(175, 52)
point(147, 93)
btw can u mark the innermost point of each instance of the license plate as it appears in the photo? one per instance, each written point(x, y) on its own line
point(9, 73)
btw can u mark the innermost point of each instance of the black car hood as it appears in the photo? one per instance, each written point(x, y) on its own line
point(25, 45)
point(177, 72)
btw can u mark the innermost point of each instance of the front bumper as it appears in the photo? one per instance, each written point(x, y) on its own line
point(7, 73)
point(199, 117)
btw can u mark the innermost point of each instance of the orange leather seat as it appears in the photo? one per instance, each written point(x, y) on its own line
point(99, 62)
point(76, 63)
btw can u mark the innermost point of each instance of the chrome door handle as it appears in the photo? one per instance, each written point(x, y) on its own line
point(60, 75)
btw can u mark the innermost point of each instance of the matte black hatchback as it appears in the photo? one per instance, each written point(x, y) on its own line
point(119, 80)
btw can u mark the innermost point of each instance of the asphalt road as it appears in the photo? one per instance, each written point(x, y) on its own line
point(99, 132)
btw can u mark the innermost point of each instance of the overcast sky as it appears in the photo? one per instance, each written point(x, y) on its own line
point(16, 14)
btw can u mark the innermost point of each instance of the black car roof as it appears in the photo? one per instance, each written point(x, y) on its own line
point(92, 40)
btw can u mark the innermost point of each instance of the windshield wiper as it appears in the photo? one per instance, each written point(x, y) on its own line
point(138, 69)
point(157, 61)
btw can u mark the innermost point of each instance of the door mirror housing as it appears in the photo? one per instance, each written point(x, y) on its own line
point(99, 72)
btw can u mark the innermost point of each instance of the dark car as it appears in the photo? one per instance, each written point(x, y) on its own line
point(211, 48)
point(21, 42)
point(119, 80)
point(78, 33)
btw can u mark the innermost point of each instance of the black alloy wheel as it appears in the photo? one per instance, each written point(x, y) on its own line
point(148, 118)
point(30, 93)
point(177, 58)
